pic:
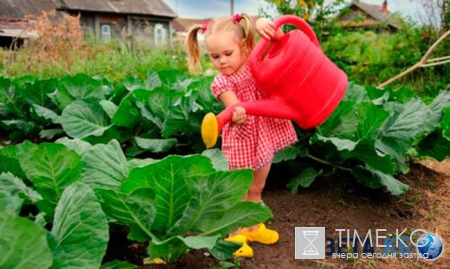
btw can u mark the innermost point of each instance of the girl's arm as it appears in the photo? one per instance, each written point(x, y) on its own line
point(229, 98)
point(266, 29)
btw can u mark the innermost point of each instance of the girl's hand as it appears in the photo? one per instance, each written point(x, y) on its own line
point(265, 28)
point(239, 115)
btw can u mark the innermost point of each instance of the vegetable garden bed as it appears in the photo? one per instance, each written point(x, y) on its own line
point(85, 164)
point(334, 203)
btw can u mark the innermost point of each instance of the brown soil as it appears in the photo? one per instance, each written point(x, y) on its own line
point(341, 203)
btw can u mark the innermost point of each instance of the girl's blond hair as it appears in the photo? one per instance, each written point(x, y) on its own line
point(244, 30)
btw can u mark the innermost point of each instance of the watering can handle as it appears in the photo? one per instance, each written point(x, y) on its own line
point(294, 20)
point(300, 23)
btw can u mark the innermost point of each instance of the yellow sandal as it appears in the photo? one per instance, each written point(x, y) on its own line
point(245, 251)
point(262, 235)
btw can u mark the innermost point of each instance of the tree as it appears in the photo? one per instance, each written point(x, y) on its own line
point(318, 13)
point(446, 15)
point(435, 11)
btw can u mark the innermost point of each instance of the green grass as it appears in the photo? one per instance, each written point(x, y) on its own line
point(114, 61)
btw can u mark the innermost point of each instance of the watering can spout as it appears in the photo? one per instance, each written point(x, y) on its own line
point(275, 108)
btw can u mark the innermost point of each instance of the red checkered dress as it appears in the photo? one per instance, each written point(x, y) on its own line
point(253, 144)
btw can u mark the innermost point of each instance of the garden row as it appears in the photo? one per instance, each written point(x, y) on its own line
point(131, 154)
point(371, 134)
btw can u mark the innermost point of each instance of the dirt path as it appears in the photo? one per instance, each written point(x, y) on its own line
point(339, 203)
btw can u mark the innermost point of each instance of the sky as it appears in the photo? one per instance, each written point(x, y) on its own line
point(215, 8)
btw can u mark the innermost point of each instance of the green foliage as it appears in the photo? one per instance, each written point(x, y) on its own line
point(370, 59)
point(79, 223)
point(23, 243)
point(152, 115)
point(370, 134)
point(114, 60)
point(189, 196)
point(373, 133)
point(51, 168)
point(317, 12)
point(176, 204)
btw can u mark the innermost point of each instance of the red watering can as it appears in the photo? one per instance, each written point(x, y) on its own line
point(301, 83)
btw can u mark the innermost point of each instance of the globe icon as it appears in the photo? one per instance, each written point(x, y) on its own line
point(430, 246)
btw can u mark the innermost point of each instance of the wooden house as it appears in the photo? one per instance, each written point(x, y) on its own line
point(182, 25)
point(369, 16)
point(14, 26)
point(149, 22)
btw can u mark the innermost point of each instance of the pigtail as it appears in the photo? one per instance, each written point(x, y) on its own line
point(249, 32)
point(193, 49)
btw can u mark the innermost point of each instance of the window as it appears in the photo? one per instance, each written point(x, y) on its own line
point(106, 32)
point(159, 34)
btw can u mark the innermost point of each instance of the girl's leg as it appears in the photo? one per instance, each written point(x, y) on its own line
point(244, 235)
point(259, 233)
point(255, 192)
point(259, 181)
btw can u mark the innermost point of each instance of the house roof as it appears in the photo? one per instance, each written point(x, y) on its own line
point(183, 24)
point(16, 28)
point(376, 12)
point(18, 9)
point(18, 33)
point(14, 24)
point(138, 7)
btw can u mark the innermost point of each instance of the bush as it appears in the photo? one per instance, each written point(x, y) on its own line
point(370, 59)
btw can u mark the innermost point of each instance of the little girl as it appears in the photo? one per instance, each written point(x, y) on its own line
point(248, 141)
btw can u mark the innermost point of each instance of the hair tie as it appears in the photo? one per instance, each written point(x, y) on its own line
point(237, 18)
point(205, 26)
